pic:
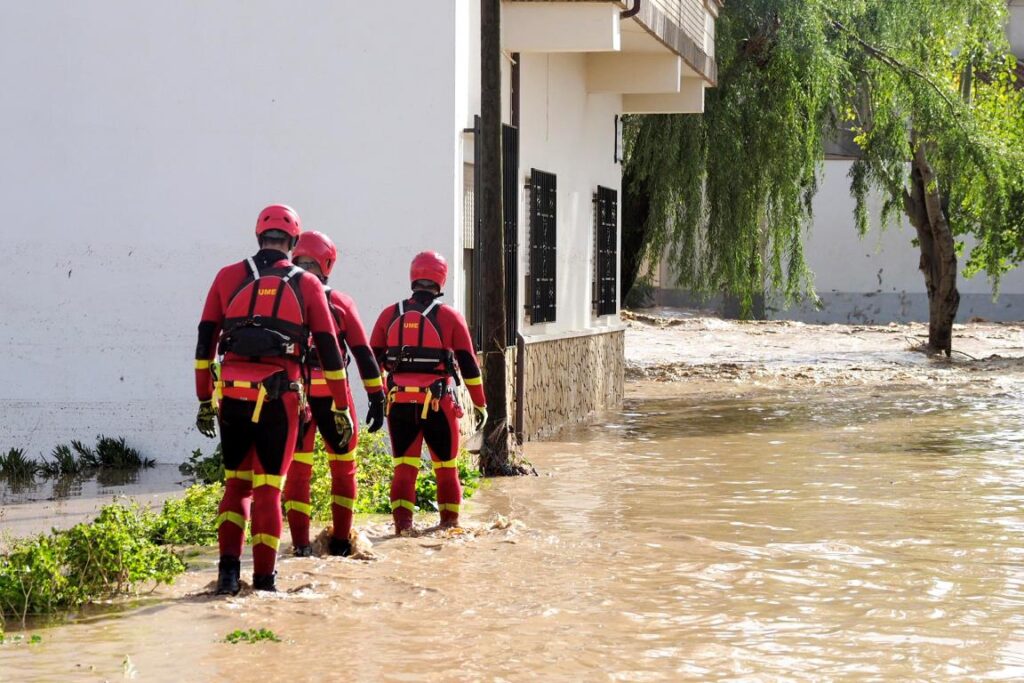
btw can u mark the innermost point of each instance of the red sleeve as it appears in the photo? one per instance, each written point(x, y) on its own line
point(352, 333)
point(379, 335)
point(209, 331)
point(325, 338)
point(462, 344)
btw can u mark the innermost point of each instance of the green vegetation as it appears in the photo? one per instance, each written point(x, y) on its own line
point(189, 520)
point(206, 469)
point(927, 91)
point(373, 477)
point(34, 639)
point(111, 556)
point(109, 455)
point(15, 465)
point(251, 636)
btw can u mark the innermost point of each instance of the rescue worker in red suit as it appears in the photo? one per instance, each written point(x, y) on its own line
point(260, 315)
point(316, 253)
point(425, 346)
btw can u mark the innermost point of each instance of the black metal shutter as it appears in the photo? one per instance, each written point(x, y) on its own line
point(606, 261)
point(510, 211)
point(543, 238)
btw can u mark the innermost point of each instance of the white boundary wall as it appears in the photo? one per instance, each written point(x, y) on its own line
point(141, 140)
point(876, 278)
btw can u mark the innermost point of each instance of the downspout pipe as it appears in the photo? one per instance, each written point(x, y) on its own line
point(635, 10)
point(520, 417)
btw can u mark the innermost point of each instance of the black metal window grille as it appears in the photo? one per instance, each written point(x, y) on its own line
point(510, 214)
point(540, 290)
point(606, 258)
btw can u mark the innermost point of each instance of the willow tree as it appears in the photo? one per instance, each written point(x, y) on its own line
point(925, 85)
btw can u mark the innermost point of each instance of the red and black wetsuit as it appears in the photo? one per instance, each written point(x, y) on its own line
point(421, 404)
point(258, 427)
point(341, 456)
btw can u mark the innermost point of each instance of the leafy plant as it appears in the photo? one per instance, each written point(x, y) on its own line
point(251, 636)
point(118, 455)
point(86, 455)
point(189, 520)
point(110, 556)
point(114, 553)
point(62, 462)
point(206, 469)
point(15, 465)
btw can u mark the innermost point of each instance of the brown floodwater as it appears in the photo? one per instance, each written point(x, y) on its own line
point(819, 534)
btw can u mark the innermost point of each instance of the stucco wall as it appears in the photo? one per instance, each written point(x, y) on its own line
point(876, 278)
point(570, 379)
point(568, 132)
point(140, 141)
point(1015, 31)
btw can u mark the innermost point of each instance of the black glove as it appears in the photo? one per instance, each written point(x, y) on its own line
point(206, 420)
point(375, 415)
point(343, 424)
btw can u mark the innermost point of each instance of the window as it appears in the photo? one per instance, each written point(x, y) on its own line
point(540, 289)
point(469, 258)
point(606, 257)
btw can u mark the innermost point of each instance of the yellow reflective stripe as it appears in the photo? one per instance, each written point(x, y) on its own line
point(240, 384)
point(304, 458)
point(343, 502)
point(267, 480)
point(437, 464)
point(473, 381)
point(244, 475)
point(415, 462)
point(395, 504)
point(449, 507)
point(202, 365)
point(259, 404)
point(304, 508)
point(318, 381)
point(266, 539)
point(335, 374)
point(426, 405)
point(342, 457)
point(373, 382)
point(231, 517)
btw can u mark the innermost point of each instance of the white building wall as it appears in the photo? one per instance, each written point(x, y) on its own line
point(875, 279)
point(1015, 31)
point(140, 142)
point(568, 132)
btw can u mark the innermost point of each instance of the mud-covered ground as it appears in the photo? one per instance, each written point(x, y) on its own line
point(669, 345)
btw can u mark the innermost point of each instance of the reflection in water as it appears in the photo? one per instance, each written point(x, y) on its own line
point(817, 534)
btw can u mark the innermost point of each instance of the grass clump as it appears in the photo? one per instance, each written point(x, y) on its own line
point(116, 454)
point(111, 556)
point(251, 636)
point(15, 465)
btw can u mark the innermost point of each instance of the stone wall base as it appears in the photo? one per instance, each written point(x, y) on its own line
point(569, 380)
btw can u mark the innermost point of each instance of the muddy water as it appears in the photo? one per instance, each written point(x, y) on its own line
point(817, 535)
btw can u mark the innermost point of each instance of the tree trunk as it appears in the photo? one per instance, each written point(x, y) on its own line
point(636, 207)
point(925, 208)
point(499, 452)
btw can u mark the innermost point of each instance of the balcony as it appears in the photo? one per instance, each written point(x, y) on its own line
point(684, 27)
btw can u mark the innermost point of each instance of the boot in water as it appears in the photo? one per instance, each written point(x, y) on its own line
point(449, 519)
point(339, 547)
point(228, 571)
point(302, 551)
point(403, 520)
point(264, 582)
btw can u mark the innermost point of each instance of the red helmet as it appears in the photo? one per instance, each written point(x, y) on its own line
point(279, 217)
point(429, 265)
point(319, 247)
